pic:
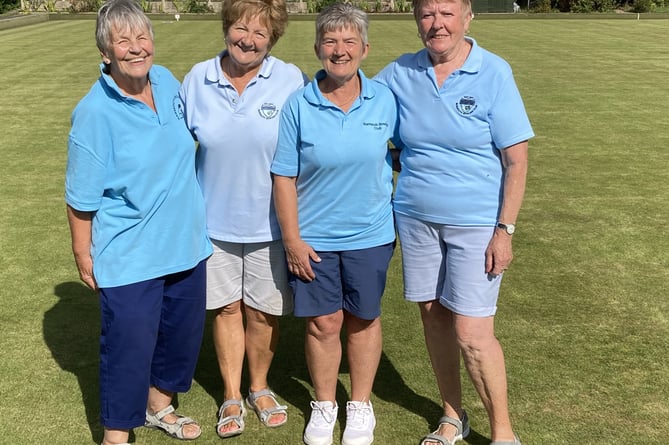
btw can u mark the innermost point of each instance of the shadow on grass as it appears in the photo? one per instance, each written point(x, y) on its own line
point(71, 330)
point(289, 378)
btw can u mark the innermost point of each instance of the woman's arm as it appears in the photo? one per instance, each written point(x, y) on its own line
point(298, 252)
point(81, 224)
point(514, 161)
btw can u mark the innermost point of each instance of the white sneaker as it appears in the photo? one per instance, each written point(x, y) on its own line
point(360, 423)
point(321, 423)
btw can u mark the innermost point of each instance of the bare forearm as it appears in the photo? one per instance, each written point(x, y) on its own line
point(81, 224)
point(515, 176)
point(285, 203)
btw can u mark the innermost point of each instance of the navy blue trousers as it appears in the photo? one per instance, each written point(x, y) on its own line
point(151, 336)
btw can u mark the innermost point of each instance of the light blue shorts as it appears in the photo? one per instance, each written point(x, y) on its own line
point(448, 263)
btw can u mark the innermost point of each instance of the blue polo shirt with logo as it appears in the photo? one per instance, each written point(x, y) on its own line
point(237, 135)
point(452, 134)
point(134, 168)
point(342, 165)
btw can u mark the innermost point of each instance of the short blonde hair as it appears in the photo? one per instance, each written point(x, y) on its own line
point(271, 13)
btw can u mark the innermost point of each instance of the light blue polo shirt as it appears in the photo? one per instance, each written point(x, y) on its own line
point(134, 168)
point(237, 136)
point(451, 167)
point(342, 165)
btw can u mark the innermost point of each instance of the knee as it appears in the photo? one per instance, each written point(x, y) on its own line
point(473, 342)
point(260, 318)
point(325, 326)
point(230, 310)
point(355, 325)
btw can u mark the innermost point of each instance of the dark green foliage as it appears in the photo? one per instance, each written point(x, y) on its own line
point(643, 6)
point(85, 5)
point(587, 6)
point(196, 7)
point(542, 6)
point(315, 6)
point(8, 5)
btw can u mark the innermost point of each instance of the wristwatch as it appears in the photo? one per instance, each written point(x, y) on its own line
point(508, 228)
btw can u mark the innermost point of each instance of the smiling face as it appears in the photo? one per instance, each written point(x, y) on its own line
point(248, 43)
point(341, 52)
point(129, 56)
point(442, 25)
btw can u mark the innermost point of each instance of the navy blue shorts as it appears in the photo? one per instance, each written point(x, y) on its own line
point(353, 280)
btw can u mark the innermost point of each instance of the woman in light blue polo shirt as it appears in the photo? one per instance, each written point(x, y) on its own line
point(459, 192)
point(232, 108)
point(136, 216)
point(332, 189)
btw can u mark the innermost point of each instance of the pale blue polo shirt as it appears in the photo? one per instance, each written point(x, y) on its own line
point(134, 168)
point(342, 165)
point(237, 136)
point(451, 167)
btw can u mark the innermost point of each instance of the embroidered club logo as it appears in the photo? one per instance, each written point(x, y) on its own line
point(467, 105)
point(178, 107)
point(268, 110)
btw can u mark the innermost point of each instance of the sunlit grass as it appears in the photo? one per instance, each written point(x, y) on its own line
point(583, 311)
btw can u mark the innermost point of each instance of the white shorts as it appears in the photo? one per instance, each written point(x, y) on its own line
point(255, 273)
point(448, 263)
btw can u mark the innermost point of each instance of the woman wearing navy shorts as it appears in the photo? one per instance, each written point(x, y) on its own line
point(332, 190)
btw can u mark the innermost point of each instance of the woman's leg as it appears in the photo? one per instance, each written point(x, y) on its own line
point(323, 353)
point(364, 344)
point(484, 360)
point(130, 317)
point(444, 355)
point(262, 336)
point(179, 340)
point(228, 332)
point(114, 437)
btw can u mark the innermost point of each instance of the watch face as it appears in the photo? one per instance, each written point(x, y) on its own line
point(508, 228)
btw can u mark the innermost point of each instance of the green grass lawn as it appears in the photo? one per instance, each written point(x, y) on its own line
point(583, 313)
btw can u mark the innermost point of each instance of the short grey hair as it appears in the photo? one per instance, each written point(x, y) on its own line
point(339, 16)
point(122, 15)
point(418, 4)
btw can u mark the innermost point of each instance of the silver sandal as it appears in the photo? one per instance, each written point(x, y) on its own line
point(237, 419)
point(462, 430)
point(176, 429)
point(515, 441)
point(265, 414)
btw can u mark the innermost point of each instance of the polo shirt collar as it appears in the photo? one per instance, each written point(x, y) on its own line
point(314, 96)
point(472, 63)
point(111, 84)
point(214, 72)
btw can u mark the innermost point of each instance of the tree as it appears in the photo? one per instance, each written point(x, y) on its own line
point(8, 5)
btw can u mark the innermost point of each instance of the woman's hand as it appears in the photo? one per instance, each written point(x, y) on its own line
point(298, 256)
point(85, 266)
point(499, 254)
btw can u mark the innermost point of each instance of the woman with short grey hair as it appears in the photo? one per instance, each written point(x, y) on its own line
point(332, 191)
point(138, 228)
